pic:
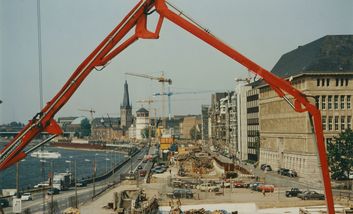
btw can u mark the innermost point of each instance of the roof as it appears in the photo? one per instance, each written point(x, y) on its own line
point(142, 110)
point(106, 122)
point(126, 100)
point(329, 54)
point(78, 120)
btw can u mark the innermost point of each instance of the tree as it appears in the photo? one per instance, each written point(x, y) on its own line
point(195, 133)
point(340, 155)
point(145, 133)
point(85, 128)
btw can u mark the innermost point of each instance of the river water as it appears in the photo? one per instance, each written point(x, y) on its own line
point(30, 172)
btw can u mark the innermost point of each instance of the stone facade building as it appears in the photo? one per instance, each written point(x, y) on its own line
point(106, 129)
point(126, 110)
point(322, 69)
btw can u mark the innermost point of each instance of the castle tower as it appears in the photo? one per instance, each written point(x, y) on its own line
point(126, 109)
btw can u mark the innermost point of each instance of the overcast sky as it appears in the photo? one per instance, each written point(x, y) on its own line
point(262, 30)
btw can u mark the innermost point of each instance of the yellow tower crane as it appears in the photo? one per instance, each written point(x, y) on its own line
point(162, 79)
point(91, 111)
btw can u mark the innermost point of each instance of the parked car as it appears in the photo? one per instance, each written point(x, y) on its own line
point(159, 169)
point(293, 192)
point(143, 173)
point(4, 203)
point(27, 196)
point(208, 187)
point(53, 191)
point(266, 167)
point(254, 186)
point(265, 187)
point(139, 167)
point(311, 195)
point(287, 172)
point(81, 184)
point(240, 184)
point(181, 193)
point(40, 185)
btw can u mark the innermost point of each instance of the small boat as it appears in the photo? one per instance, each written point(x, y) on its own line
point(46, 154)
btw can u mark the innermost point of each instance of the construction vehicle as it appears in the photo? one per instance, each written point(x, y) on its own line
point(112, 45)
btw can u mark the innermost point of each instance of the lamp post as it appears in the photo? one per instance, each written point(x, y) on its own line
point(93, 175)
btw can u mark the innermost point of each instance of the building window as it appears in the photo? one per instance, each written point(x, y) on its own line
point(329, 102)
point(342, 101)
point(323, 82)
point(323, 102)
point(330, 123)
point(336, 101)
point(342, 122)
point(324, 122)
point(336, 123)
point(342, 82)
point(327, 82)
point(349, 122)
point(317, 82)
point(346, 82)
point(337, 81)
point(348, 101)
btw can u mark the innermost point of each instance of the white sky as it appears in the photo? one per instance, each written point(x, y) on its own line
point(262, 30)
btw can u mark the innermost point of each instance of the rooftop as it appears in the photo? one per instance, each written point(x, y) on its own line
point(329, 54)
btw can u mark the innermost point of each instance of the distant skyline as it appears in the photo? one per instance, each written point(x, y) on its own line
point(261, 30)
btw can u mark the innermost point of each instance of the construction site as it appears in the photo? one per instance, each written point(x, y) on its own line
point(267, 141)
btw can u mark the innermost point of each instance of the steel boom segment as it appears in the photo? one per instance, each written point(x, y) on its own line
point(107, 50)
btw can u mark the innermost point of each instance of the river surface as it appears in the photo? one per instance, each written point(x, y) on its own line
point(30, 169)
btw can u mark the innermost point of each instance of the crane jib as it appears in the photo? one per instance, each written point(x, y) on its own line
point(107, 50)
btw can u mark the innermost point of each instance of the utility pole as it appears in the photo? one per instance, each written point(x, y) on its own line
point(76, 202)
point(51, 186)
point(94, 177)
point(18, 179)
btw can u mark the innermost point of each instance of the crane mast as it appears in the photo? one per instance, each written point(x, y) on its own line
point(112, 45)
point(162, 79)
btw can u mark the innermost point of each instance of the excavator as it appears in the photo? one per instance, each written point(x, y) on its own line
point(136, 22)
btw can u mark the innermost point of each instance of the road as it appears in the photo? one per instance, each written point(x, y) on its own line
point(67, 198)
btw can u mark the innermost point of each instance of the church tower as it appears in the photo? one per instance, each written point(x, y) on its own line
point(126, 109)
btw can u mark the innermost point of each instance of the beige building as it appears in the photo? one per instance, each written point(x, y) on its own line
point(323, 69)
point(188, 123)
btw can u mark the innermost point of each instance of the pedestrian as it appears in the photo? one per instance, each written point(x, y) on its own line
point(170, 171)
point(263, 192)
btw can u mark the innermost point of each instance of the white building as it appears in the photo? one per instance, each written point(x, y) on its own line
point(142, 121)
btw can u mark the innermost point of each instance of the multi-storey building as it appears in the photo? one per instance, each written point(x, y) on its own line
point(204, 122)
point(106, 129)
point(322, 69)
point(253, 133)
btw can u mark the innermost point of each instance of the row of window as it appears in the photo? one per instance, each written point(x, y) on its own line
point(335, 102)
point(336, 123)
point(253, 121)
point(326, 82)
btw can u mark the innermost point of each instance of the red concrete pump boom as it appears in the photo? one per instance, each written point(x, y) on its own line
point(112, 45)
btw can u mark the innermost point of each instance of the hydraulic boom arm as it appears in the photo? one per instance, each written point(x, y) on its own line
point(112, 45)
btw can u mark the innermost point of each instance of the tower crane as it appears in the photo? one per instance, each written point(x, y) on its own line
point(169, 94)
point(162, 79)
point(91, 111)
point(134, 26)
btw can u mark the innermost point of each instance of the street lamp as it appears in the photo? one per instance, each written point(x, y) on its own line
point(93, 175)
point(106, 164)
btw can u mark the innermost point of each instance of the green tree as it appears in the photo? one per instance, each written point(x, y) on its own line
point(145, 133)
point(340, 154)
point(195, 133)
point(85, 128)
